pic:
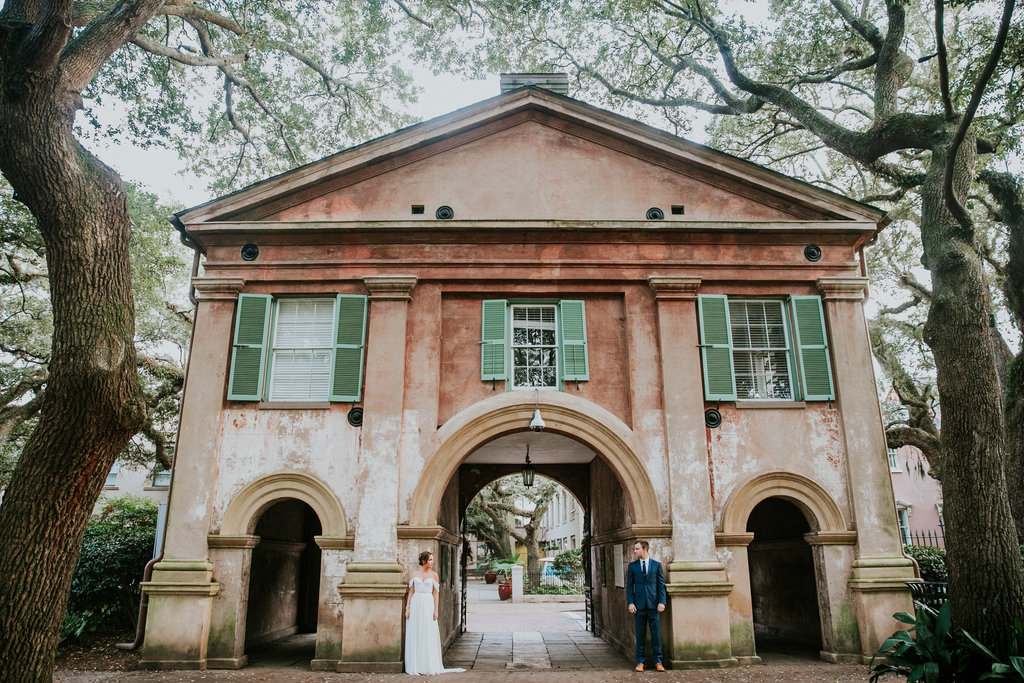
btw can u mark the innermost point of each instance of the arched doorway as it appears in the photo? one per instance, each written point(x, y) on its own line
point(488, 440)
point(284, 582)
point(783, 589)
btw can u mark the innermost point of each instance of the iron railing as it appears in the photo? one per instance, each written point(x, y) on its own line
point(553, 582)
point(931, 593)
point(931, 538)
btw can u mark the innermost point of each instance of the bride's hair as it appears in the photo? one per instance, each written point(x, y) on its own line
point(424, 556)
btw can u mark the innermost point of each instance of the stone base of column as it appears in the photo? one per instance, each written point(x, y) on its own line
point(879, 586)
point(699, 614)
point(227, 662)
point(180, 598)
point(372, 601)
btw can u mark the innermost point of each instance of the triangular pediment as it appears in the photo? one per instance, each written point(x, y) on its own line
point(530, 155)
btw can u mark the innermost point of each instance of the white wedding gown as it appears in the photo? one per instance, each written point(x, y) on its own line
point(422, 637)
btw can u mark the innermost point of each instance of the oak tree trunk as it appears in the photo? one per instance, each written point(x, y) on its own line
point(986, 577)
point(91, 405)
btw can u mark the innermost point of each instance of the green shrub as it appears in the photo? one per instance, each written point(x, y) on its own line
point(569, 562)
point(105, 585)
point(932, 561)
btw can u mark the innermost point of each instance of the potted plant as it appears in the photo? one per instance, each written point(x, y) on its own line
point(503, 568)
point(489, 574)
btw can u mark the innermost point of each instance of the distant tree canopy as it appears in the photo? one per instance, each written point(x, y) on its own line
point(163, 324)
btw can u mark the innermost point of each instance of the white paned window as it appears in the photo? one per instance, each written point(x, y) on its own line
point(111, 481)
point(894, 465)
point(301, 361)
point(760, 349)
point(534, 347)
point(904, 518)
point(162, 477)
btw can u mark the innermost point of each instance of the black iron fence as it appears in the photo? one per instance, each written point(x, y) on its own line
point(932, 538)
point(552, 582)
point(931, 593)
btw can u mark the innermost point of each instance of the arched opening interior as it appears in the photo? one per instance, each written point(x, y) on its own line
point(783, 588)
point(588, 486)
point(284, 583)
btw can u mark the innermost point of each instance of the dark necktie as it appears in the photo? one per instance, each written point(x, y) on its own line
point(643, 567)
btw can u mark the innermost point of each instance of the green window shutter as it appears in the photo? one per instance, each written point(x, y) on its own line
point(716, 347)
point(572, 320)
point(249, 350)
point(812, 348)
point(349, 348)
point(492, 339)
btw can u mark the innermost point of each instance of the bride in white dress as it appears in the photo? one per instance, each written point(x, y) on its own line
point(422, 636)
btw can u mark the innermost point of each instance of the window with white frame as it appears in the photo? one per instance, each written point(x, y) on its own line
point(298, 348)
point(764, 349)
point(111, 481)
point(904, 519)
point(894, 465)
point(300, 365)
point(534, 347)
point(760, 349)
point(161, 477)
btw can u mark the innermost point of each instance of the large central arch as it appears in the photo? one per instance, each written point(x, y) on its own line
point(511, 412)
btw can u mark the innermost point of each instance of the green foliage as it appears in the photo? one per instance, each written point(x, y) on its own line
point(105, 585)
point(503, 567)
point(932, 650)
point(932, 561)
point(569, 562)
point(163, 322)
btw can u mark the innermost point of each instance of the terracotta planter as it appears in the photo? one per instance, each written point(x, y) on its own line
point(505, 591)
point(490, 577)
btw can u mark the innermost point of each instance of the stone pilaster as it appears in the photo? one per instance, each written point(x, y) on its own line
point(373, 591)
point(232, 558)
point(833, 553)
point(741, 611)
point(697, 582)
point(182, 588)
point(335, 551)
point(880, 569)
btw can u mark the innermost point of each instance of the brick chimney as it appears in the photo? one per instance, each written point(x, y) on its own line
point(554, 82)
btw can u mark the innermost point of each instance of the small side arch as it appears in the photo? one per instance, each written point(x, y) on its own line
point(565, 414)
point(817, 505)
point(244, 510)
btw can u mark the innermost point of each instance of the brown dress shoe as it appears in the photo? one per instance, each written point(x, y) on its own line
point(639, 667)
point(659, 667)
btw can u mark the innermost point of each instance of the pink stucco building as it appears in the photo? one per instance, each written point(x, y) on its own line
point(375, 331)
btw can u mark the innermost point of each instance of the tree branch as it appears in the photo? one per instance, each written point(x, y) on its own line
point(929, 444)
point(185, 58)
point(91, 48)
point(940, 42)
point(952, 203)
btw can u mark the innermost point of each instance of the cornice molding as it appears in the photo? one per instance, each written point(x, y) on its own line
point(674, 287)
point(396, 287)
point(218, 288)
point(842, 288)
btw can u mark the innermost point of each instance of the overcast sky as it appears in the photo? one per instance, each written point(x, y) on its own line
point(163, 173)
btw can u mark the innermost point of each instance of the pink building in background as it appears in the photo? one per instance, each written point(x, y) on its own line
point(918, 497)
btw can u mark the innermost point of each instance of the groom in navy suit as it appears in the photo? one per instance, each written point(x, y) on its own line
point(645, 593)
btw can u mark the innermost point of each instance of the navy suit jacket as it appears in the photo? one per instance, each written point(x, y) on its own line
point(645, 592)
